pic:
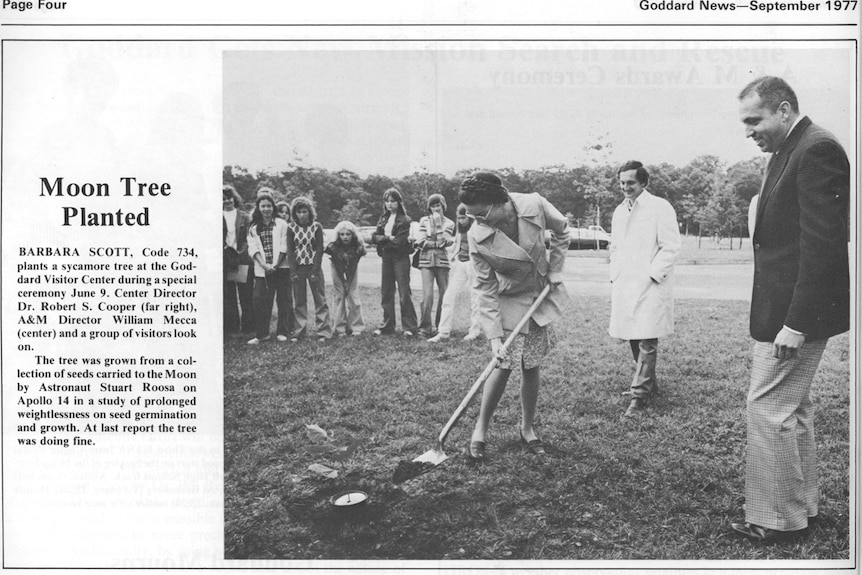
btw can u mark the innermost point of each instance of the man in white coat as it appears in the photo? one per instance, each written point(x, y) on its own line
point(644, 246)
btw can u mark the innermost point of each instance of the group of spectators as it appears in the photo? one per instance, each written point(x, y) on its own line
point(275, 255)
point(496, 251)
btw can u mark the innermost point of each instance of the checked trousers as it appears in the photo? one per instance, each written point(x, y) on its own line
point(780, 463)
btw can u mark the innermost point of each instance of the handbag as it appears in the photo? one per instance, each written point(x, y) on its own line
point(415, 260)
point(231, 259)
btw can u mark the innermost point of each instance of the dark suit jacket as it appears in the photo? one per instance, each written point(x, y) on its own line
point(801, 268)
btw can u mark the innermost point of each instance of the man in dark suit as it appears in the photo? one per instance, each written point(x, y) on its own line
point(801, 297)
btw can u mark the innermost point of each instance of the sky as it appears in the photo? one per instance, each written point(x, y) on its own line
point(453, 106)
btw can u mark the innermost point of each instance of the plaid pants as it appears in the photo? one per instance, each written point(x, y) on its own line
point(781, 459)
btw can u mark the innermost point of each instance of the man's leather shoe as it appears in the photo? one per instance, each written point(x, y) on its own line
point(763, 534)
point(636, 407)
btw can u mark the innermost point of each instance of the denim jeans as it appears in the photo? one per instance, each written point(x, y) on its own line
point(242, 318)
point(346, 308)
point(396, 272)
point(264, 294)
point(302, 280)
point(284, 301)
point(439, 275)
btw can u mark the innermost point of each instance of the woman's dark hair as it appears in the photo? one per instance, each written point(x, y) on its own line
point(483, 188)
point(257, 217)
point(395, 194)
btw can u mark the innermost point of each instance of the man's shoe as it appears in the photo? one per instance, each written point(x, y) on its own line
point(408, 333)
point(636, 407)
point(281, 337)
point(438, 338)
point(470, 336)
point(253, 341)
point(763, 534)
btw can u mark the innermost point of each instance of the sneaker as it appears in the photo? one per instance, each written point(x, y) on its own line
point(253, 341)
point(470, 336)
point(438, 338)
point(281, 337)
point(321, 340)
point(294, 340)
point(408, 333)
point(377, 332)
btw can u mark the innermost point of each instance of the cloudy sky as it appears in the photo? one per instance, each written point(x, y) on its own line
point(382, 110)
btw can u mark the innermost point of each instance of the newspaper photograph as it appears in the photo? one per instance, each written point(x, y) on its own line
point(511, 288)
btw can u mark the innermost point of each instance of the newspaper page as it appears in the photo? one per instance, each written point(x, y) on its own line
point(154, 417)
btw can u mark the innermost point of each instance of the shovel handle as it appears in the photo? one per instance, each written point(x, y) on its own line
point(492, 365)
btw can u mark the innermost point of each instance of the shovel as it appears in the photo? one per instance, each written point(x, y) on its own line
point(434, 457)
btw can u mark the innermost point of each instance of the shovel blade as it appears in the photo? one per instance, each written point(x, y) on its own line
point(423, 464)
point(432, 456)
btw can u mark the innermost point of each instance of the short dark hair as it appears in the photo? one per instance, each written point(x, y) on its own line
point(483, 188)
point(641, 174)
point(772, 91)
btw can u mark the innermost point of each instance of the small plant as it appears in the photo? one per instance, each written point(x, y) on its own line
point(321, 445)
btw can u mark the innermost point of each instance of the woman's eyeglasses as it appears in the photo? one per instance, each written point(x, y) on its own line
point(478, 218)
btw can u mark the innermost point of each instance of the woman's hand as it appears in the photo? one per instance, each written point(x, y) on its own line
point(497, 348)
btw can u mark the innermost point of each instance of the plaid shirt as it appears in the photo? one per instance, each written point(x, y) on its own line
point(264, 230)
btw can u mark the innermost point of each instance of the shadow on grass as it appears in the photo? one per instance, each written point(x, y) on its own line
point(663, 486)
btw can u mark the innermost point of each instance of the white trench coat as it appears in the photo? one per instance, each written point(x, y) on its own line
point(644, 246)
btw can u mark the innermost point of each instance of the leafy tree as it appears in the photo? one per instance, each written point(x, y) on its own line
point(746, 177)
point(352, 211)
point(722, 212)
point(245, 184)
point(663, 182)
point(694, 185)
point(702, 192)
point(599, 183)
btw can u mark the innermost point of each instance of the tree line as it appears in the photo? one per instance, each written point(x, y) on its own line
point(709, 196)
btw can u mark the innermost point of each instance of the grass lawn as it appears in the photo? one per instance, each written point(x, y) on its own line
point(664, 486)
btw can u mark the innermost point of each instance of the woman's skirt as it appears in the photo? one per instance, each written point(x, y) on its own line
point(529, 348)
